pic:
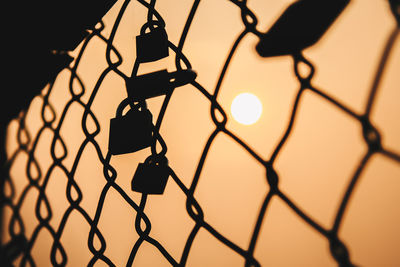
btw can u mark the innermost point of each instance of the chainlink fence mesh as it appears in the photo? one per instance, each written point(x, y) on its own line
point(65, 160)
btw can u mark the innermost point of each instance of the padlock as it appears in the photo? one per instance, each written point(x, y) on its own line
point(301, 25)
point(151, 46)
point(148, 85)
point(157, 83)
point(130, 132)
point(151, 176)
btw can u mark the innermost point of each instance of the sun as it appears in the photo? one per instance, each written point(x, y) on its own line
point(246, 108)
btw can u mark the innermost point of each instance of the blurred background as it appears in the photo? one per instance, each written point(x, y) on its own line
point(314, 166)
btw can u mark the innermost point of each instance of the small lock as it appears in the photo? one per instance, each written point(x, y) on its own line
point(157, 83)
point(151, 46)
point(130, 132)
point(151, 177)
point(301, 25)
point(148, 85)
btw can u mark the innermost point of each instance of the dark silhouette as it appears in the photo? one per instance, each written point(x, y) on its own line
point(38, 36)
point(42, 32)
point(13, 249)
point(157, 83)
point(61, 27)
point(151, 46)
point(130, 132)
point(151, 176)
point(301, 25)
point(395, 6)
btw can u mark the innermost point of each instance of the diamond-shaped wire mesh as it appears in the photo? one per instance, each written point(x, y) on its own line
point(80, 98)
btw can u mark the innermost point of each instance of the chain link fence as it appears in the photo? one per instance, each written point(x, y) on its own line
point(135, 127)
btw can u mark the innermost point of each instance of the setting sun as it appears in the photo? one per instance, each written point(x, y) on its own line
point(221, 133)
point(246, 108)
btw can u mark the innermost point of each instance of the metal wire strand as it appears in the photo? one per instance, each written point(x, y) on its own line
point(38, 178)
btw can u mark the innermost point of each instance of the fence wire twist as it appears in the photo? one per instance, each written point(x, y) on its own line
point(39, 179)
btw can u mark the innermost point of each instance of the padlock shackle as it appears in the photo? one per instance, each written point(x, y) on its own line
point(127, 101)
point(149, 24)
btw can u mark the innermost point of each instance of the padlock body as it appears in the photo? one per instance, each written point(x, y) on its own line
point(150, 178)
point(152, 46)
point(148, 85)
point(131, 132)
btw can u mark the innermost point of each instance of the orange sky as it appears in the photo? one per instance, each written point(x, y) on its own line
point(314, 166)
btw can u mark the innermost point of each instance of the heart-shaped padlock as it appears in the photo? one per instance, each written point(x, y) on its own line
point(130, 132)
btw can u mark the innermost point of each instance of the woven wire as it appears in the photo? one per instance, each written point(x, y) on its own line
point(27, 144)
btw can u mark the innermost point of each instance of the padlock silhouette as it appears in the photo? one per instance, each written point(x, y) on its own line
point(157, 83)
point(151, 46)
point(151, 177)
point(130, 132)
point(301, 25)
